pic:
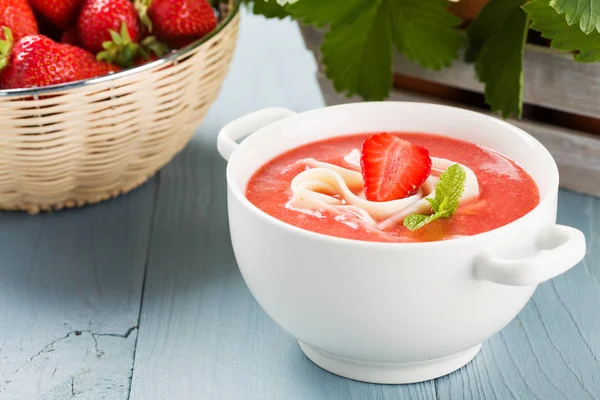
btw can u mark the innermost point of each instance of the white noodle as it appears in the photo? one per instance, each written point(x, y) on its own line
point(313, 191)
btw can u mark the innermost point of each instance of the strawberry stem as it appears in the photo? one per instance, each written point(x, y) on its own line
point(5, 47)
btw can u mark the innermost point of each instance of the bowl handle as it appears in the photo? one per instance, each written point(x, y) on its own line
point(246, 125)
point(560, 248)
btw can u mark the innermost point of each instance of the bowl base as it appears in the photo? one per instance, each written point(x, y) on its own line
point(389, 373)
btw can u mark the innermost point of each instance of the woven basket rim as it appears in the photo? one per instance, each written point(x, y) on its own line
point(87, 82)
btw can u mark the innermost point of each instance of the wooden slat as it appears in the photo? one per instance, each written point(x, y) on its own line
point(70, 290)
point(552, 79)
point(577, 154)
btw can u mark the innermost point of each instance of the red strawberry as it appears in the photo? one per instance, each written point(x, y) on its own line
point(70, 36)
point(59, 12)
point(99, 17)
point(143, 60)
point(39, 61)
point(178, 22)
point(18, 16)
point(392, 168)
point(89, 66)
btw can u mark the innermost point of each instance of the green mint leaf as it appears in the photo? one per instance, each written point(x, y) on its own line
point(496, 44)
point(322, 12)
point(267, 8)
point(425, 31)
point(416, 221)
point(435, 206)
point(357, 52)
point(450, 188)
point(565, 37)
point(584, 12)
point(448, 192)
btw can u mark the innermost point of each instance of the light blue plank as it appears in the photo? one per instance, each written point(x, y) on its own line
point(202, 335)
point(552, 349)
point(70, 290)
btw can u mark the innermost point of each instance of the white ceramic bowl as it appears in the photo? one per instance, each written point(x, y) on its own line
point(391, 312)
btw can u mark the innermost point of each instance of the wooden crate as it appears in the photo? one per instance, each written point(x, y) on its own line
point(551, 80)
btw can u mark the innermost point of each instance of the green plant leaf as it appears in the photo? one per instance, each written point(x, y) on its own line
point(357, 53)
point(496, 45)
point(267, 8)
point(448, 192)
point(424, 30)
point(322, 12)
point(584, 12)
point(357, 49)
point(488, 22)
point(565, 37)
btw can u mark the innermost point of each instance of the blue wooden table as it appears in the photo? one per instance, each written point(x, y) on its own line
point(141, 298)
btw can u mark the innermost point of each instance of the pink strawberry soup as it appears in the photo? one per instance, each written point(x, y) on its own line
point(506, 192)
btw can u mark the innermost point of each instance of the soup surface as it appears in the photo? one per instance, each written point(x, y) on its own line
point(506, 192)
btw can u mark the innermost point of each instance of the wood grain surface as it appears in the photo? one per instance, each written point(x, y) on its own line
point(70, 291)
point(546, 73)
point(141, 297)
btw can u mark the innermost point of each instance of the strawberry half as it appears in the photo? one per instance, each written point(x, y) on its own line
point(392, 168)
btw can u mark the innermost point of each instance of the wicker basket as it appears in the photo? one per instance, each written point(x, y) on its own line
point(84, 142)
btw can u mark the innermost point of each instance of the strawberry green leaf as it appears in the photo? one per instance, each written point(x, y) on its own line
point(116, 38)
point(357, 52)
point(448, 192)
point(6, 45)
point(424, 30)
point(120, 50)
point(565, 37)
point(496, 44)
point(151, 44)
point(584, 12)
